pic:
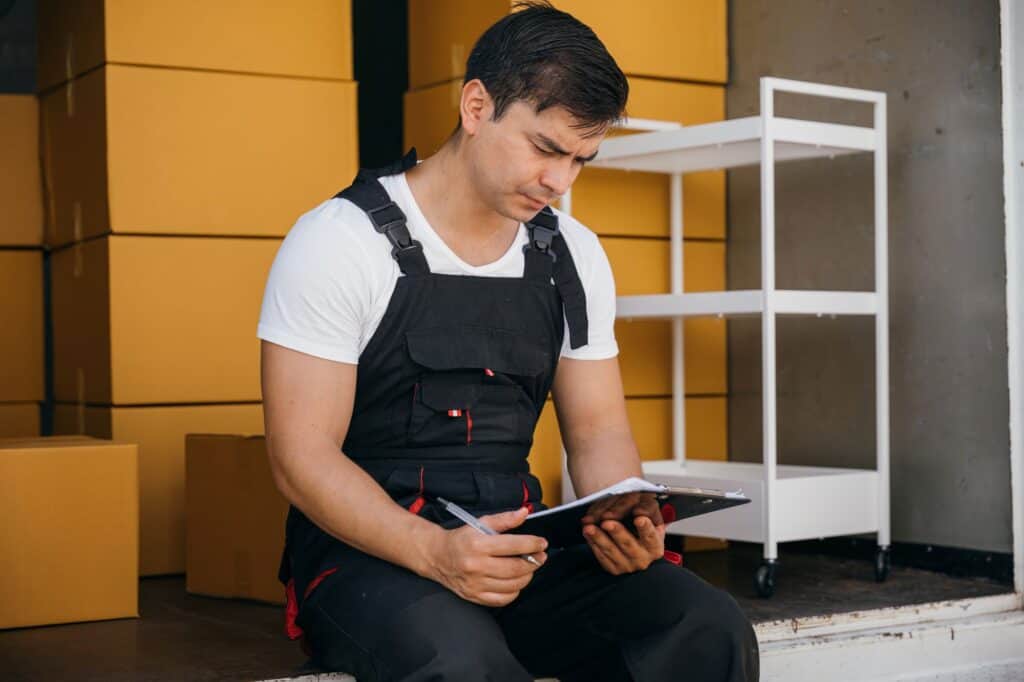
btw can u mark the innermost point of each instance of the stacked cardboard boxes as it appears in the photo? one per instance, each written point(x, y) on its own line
point(180, 143)
point(21, 267)
point(674, 53)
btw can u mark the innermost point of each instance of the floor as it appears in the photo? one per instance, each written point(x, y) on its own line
point(181, 637)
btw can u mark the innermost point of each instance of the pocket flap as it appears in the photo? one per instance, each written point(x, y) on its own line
point(475, 348)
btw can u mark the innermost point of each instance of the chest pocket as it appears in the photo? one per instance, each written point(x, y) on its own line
point(472, 387)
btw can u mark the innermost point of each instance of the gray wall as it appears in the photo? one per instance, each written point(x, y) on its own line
point(939, 64)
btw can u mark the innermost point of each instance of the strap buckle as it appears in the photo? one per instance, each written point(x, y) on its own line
point(391, 217)
point(540, 239)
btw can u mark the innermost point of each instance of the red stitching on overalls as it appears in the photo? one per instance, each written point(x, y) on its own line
point(526, 498)
point(469, 428)
point(291, 607)
point(418, 503)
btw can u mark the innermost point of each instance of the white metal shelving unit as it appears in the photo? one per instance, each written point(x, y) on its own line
point(788, 502)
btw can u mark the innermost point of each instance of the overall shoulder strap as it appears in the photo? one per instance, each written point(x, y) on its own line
point(547, 256)
point(387, 218)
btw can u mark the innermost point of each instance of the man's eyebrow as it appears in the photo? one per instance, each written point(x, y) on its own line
point(553, 146)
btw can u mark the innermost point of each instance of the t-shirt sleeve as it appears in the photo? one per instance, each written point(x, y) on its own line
point(599, 285)
point(320, 288)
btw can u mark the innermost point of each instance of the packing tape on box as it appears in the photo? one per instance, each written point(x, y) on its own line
point(78, 220)
point(79, 261)
point(455, 93)
point(69, 97)
point(458, 56)
point(69, 56)
point(80, 394)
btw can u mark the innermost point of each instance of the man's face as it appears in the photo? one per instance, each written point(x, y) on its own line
point(527, 160)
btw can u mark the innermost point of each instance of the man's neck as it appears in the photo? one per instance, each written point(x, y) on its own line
point(451, 203)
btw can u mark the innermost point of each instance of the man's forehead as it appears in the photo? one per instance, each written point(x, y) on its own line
point(559, 125)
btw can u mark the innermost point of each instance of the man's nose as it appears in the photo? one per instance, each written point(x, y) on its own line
point(558, 177)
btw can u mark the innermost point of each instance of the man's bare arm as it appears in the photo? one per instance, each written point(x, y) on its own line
point(307, 404)
point(591, 412)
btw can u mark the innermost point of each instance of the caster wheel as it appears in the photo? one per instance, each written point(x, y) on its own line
point(881, 564)
point(764, 579)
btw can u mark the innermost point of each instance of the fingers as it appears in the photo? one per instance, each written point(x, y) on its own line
point(619, 551)
point(506, 520)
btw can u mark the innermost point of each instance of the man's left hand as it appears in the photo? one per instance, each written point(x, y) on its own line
point(617, 549)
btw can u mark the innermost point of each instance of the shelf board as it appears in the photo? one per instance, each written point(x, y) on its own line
point(746, 302)
point(741, 471)
point(730, 144)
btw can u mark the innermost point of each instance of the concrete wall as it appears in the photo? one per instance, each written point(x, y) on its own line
point(939, 64)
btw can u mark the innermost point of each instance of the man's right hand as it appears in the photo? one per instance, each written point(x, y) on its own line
point(487, 569)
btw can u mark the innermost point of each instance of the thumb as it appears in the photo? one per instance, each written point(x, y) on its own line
point(505, 520)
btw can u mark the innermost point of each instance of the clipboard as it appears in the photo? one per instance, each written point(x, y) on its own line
point(562, 526)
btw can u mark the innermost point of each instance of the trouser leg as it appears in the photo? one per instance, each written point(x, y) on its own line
point(575, 621)
point(380, 623)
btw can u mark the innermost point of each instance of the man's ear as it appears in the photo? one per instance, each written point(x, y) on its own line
point(475, 106)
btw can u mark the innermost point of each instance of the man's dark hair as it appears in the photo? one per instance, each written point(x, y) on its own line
point(548, 58)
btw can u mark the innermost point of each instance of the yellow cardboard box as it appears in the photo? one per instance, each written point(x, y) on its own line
point(158, 320)
point(68, 551)
point(235, 519)
point(671, 39)
point(160, 433)
point(641, 266)
point(21, 309)
point(21, 192)
point(167, 151)
point(19, 420)
point(431, 115)
point(258, 36)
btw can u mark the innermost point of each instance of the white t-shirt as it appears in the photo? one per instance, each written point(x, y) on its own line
point(333, 277)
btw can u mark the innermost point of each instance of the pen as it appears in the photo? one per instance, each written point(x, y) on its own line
point(470, 520)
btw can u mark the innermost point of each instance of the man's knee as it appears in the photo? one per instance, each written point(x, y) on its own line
point(440, 637)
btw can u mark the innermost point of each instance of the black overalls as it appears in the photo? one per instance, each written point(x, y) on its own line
point(448, 394)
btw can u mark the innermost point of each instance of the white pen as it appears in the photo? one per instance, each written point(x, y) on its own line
point(470, 520)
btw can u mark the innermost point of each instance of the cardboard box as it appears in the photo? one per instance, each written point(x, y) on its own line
point(432, 114)
point(68, 551)
point(235, 519)
point(671, 39)
point(21, 192)
point(165, 151)
point(158, 320)
point(641, 266)
point(19, 420)
point(160, 433)
point(258, 36)
point(21, 309)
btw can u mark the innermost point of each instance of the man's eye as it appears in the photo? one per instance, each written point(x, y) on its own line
point(542, 151)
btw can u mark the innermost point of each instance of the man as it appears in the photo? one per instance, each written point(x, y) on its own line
point(460, 318)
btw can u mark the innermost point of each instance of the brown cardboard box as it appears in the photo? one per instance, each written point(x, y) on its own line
point(158, 320)
point(670, 39)
point(68, 551)
point(641, 266)
point(167, 151)
point(19, 420)
point(258, 36)
point(432, 114)
point(21, 192)
point(160, 433)
point(235, 519)
point(21, 310)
